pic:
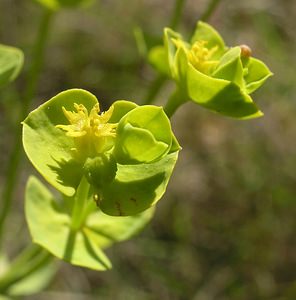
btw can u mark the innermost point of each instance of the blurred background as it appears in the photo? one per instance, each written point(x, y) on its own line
point(226, 228)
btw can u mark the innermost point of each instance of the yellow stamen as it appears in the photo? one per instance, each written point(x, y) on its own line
point(91, 132)
point(201, 57)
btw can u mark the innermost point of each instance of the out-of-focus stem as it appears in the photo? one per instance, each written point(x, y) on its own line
point(32, 81)
point(177, 13)
point(174, 102)
point(24, 267)
point(154, 88)
point(160, 79)
point(209, 10)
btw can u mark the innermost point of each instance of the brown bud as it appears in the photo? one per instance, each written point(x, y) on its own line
point(246, 51)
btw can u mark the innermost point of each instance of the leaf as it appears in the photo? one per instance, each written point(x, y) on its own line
point(230, 67)
point(47, 147)
point(137, 187)
point(106, 230)
point(169, 37)
point(138, 145)
point(258, 72)
point(220, 95)
point(180, 66)
point(158, 58)
point(11, 61)
point(49, 226)
point(121, 108)
point(28, 273)
point(205, 32)
point(58, 4)
point(35, 281)
point(143, 135)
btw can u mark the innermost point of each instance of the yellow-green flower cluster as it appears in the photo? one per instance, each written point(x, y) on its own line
point(91, 131)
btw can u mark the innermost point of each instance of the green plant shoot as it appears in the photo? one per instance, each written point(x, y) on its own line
point(209, 73)
point(127, 154)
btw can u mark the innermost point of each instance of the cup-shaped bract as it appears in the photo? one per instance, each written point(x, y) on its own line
point(126, 153)
point(143, 135)
point(211, 74)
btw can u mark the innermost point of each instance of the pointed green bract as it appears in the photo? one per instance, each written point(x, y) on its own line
point(169, 37)
point(211, 74)
point(205, 32)
point(220, 96)
point(230, 67)
point(11, 61)
point(257, 74)
point(50, 226)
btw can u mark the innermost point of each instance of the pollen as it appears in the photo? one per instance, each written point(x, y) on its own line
point(91, 131)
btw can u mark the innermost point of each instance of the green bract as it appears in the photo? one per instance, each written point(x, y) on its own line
point(211, 74)
point(127, 154)
point(58, 4)
point(11, 61)
point(94, 158)
point(50, 225)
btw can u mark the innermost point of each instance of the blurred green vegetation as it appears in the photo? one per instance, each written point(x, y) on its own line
point(226, 227)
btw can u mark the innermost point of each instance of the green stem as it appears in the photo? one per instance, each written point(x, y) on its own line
point(209, 10)
point(23, 268)
point(177, 13)
point(15, 156)
point(80, 203)
point(174, 102)
point(160, 79)
point(27, 254)
point(176, 99)
point(154, 88)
